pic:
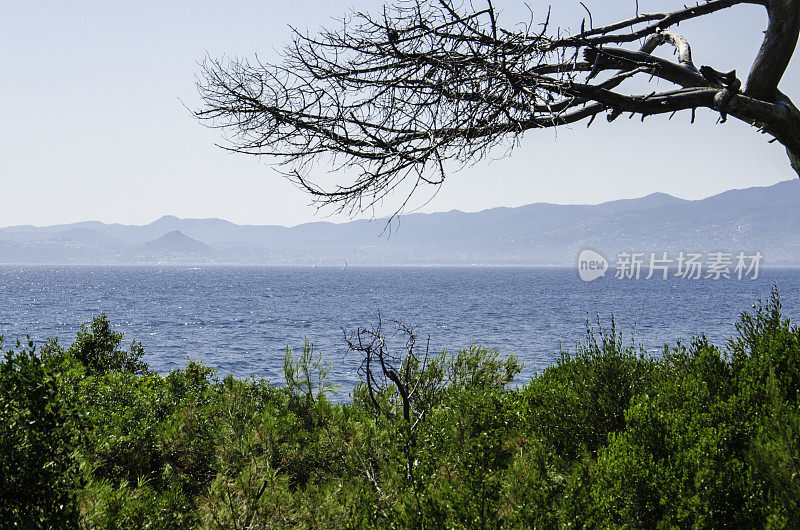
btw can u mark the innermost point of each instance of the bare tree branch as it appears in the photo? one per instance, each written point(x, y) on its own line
point(392, 99)
point(408, 374)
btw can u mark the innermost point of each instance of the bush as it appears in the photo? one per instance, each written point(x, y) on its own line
point(700, 436)
point(96, 347)
point(577, 403)
point(37, 436)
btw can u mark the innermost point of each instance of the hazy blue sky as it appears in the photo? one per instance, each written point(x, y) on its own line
point(93, 125)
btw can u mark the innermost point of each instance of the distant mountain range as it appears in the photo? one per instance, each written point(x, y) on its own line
point(765, 220)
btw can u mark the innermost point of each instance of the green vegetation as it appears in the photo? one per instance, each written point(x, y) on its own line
point(701, 436)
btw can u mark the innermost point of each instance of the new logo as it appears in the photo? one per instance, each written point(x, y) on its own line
point(591, 265)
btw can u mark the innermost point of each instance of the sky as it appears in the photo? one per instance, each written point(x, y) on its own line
point(97, 120)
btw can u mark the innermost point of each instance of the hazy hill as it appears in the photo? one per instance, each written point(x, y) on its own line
point(755, 219)
point(179, 243)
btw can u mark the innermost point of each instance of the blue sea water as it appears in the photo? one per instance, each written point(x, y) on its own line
point(240, 320)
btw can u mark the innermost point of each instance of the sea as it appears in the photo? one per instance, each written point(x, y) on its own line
point(241, 320)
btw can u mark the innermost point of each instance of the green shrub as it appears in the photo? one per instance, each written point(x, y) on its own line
point(38, 471)
point(766, 346)
point(577, 403)
point(607, 437)
point(97, 348)
point(679, 459)
point(775, 456)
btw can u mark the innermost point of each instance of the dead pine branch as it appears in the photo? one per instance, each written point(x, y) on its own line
point(393, 98)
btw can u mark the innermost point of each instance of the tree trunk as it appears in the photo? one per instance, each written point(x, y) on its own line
point(773, 58)
point(776, 51)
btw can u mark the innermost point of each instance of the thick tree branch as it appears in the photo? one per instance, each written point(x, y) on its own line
point(779, 44)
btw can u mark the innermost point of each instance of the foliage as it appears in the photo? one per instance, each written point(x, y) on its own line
point(37, 467)
point(603, 372)
point(97, 348)
point(699, 436)
point(306, 377)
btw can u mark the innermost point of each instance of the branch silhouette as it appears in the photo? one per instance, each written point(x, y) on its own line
point(392, 98)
